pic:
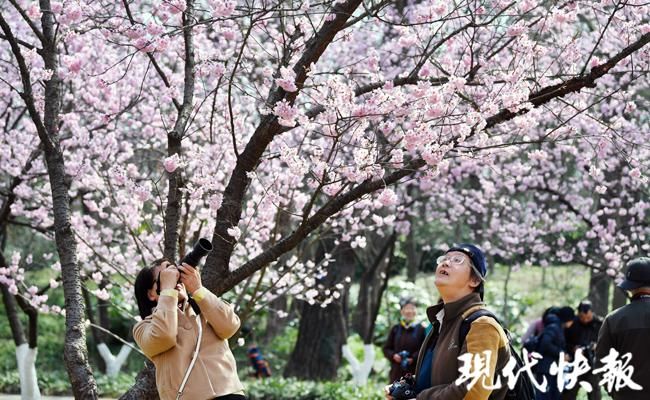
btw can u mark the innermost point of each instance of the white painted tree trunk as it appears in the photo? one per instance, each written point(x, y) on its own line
point(360, 371)
point(113, 363)
point(26, 359)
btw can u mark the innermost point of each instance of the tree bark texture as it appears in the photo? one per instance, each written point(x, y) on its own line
point(372, 284)
point(599, 284)
point(75, 351)
point(322, 332)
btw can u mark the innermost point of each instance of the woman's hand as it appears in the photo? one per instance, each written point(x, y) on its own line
point(168, 276)
point(190, 277)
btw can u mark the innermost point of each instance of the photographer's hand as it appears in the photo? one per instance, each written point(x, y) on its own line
point(387, 393)
point(168, 276)
point(190, 277)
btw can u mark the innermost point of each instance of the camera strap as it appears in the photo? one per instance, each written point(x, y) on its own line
point(194, 358)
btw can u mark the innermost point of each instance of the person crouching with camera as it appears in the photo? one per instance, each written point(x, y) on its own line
point(170, 329)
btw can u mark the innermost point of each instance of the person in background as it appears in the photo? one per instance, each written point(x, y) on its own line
point(627, 330)
point(536, 326)
point(404, 341)
point(551, 345)
point(583, 335)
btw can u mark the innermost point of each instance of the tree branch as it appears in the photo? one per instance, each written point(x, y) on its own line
point(337, 204)
point(229, 214)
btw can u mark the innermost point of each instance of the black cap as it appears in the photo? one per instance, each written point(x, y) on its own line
point(584, 306)
point(475, 254)
point(565, 314)
point(637, 275)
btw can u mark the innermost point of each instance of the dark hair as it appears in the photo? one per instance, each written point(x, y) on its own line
point(143, 282)
point(406, 300)
point(550, 310)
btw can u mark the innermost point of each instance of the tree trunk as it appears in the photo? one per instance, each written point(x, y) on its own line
point(372, 285)
point(25, 353)
point(322, 331)
point(145, 385)
point(113, 363)
point(26, 359)
point(274, 324)
point(619, 299)
point(47, 125)
point(505, 314)
point(599, 292)
point(412, 255)
point(360, 371)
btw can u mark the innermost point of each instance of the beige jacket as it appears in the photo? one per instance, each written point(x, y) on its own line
point(168, 338)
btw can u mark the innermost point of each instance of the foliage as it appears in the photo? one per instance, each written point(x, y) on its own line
point(277, 388)
point(52, 383)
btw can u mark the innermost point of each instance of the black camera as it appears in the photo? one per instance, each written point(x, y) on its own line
point(405, 359)
point(200, 250)
point(589, 352)
point(403, 388)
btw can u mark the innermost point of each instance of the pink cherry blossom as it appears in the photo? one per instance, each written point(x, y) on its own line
point(287, 80)
point(286, 114)
point(171, 163)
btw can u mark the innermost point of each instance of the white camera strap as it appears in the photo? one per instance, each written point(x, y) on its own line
point(194, 358)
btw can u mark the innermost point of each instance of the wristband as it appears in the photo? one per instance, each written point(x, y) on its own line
point(199, 293)
point(169, 292)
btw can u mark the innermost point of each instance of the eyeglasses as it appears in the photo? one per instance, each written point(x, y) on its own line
point(456, 259)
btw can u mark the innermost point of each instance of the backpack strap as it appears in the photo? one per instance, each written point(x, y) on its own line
point(473, 316)
point(467, 323)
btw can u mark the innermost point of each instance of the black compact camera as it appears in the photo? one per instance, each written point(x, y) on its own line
point(403, 388)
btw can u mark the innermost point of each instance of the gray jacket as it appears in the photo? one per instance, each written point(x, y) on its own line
point(627, 330)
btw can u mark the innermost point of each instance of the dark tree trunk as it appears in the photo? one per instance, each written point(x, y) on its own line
point(599, 284)
point(17, 331)
point(413, 256)
point(145, 385)
point(47, 125)
point(372, 285)
point(619, 298)
point(274, 324)
point(317, 354)
point(322, 331)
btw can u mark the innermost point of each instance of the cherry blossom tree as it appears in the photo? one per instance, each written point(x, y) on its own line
point(260, 123)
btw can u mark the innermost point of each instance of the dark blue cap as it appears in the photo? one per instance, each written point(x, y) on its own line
point(637, 274)
point(475, 254)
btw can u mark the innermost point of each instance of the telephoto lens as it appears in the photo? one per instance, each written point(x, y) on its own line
point(200, 250)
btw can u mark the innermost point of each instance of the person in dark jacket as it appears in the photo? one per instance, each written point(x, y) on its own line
point(460, 276)
point(583, 335)
point(404, 341)
point(551, 346)
point(627, 331)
